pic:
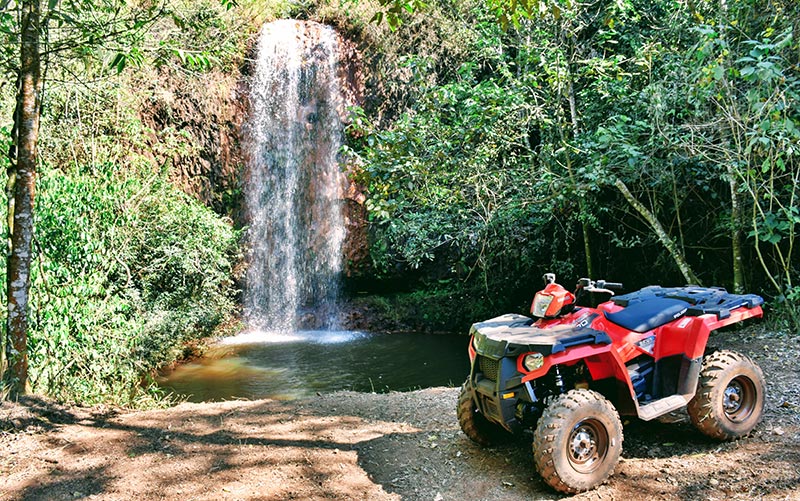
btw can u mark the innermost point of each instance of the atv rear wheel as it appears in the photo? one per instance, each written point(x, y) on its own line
point(578, 441)
point(474, 425)
point(729, 401)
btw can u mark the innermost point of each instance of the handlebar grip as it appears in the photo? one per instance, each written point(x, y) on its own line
point(612, 285)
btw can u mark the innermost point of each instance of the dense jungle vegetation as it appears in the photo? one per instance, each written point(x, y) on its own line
point(643, 141)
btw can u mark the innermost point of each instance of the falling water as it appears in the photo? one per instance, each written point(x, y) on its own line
point(294, 187)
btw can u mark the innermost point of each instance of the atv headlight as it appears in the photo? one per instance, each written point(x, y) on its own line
point(540, 304)
point(533, 361)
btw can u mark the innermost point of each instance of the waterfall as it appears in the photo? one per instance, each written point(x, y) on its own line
point(294, 184)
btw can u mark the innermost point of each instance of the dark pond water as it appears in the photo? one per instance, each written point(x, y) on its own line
point(267, 365)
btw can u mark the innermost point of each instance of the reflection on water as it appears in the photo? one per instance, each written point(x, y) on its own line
point(258, 364)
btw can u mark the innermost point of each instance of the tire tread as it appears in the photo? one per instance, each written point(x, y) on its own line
point(555, 418)
point(476, 426)
point(701, 408)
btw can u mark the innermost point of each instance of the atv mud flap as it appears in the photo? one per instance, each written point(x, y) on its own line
point(497, 388)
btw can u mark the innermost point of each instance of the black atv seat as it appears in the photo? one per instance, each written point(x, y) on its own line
point(649, 314)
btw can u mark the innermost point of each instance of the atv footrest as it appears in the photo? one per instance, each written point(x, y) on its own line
point(661, 406)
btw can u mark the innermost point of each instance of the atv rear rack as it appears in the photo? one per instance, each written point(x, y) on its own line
point(703, 300)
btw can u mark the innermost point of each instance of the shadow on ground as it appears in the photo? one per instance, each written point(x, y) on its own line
point(354, 446)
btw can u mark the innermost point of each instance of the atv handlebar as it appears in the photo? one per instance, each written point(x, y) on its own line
point(609, 285)
point(589, 285)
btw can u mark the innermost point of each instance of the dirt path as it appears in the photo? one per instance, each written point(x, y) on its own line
point(365, 446)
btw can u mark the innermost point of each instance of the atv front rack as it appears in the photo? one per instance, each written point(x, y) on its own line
point(510, 335)
point(703, 300)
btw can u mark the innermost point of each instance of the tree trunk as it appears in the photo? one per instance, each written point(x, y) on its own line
point(21, 185)
point(736, 233)
point(736, 218)
point(662, 235)
point(573, 114)
point(587, 247)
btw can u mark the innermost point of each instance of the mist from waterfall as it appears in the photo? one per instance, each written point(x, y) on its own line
point(294, 183)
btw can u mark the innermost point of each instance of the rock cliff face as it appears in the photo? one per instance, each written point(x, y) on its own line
point(356, 247)
point(194, 125)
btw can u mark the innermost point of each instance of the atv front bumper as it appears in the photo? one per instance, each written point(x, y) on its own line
point(497, 390)
point(497, 345)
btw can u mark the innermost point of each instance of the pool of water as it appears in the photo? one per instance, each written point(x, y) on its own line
point(285, 366)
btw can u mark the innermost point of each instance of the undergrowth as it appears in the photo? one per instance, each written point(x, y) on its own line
point(127, 270)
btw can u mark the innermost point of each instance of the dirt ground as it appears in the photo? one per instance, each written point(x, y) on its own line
point(394, 446)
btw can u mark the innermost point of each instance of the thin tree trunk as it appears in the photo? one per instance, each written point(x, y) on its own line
point(573, 114)
point(736, 233)
point(736, 218)
point(21, 190)
point(662, 235)
point(587, 247)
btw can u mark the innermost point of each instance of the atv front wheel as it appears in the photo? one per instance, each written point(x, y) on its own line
point(474, 425)
point(729, 401)
point(578, 441)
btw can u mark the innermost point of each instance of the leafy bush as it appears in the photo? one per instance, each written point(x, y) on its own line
point(127, 269)
point(461, 201)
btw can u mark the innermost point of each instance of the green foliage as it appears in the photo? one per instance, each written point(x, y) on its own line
point(788, 308)
point(747, 77)
point(482, 177)
point(399, 63)
point(507, 12)
point(437, 308)
point(392, 11)
point(127, 269)
point(201, 35)
point(459, 196)
point(92, 37)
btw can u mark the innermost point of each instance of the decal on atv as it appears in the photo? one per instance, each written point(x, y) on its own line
point(647, 344)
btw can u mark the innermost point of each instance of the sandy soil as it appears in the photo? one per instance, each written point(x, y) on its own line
point(377, 446)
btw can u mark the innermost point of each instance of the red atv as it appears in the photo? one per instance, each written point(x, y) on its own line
point(568, 374)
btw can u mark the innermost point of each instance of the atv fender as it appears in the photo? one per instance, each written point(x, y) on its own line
point(589, 353)
point(604, 364)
